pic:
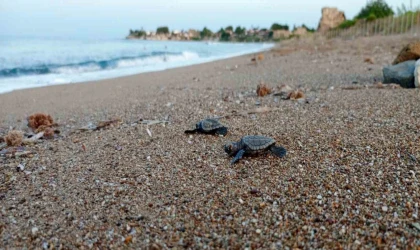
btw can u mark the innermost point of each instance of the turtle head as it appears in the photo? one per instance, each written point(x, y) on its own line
point(231, 148)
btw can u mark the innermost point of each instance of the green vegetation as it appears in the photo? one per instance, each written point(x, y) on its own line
point(137, 33)
point(240, 31)
point(162, 30)
point(277, 26)
point(347, 24)
point(224, 36)
point(206, 33)
point(229, 28)
point(375, 9)
point(227, 34)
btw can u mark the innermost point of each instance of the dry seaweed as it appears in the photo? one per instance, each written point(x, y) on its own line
point(263, 90)
point(14, 138)
point(295, 95)
point(39, 120)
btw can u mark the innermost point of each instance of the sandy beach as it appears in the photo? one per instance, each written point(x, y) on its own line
point(350, 178)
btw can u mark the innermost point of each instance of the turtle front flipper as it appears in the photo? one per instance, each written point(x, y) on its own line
point(278, 151)
point(238, 156)
point(222, 131)
point(190, 131)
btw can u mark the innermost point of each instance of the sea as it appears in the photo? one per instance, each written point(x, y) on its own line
point(29, 62)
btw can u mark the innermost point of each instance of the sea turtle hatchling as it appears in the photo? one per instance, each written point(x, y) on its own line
point(209, 126)
point(252, 145)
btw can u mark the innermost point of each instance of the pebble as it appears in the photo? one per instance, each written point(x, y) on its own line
point(319, 197)
point(385, 208)
point(258, 231)
point(34, 230)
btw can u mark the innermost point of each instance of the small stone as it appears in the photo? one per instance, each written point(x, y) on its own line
point(416, 225)
point(34, 230)
point(20, 167)
point(241, 201)
point(258, 231)
point(319, 197)
point(385, 208)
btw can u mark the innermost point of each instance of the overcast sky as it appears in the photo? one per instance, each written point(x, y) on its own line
point(113, 18)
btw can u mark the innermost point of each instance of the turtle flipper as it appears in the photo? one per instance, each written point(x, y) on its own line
point(222, 131)
point(190, 131)
point(238, 156)
point(278, 151)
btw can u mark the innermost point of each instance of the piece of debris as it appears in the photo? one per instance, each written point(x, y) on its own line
point(35, 121)
point(101, 125)
point(263, 90)
point(369, 60)
point(295, 95)
point(283, 91)
point(152, 122)
point(14, 138)
point(249, 112)
point(20, 168)
point(378, 85)
point(259, 57)
point(149, 132)
point(34, 138)
point(15, 152)
point(128, 239)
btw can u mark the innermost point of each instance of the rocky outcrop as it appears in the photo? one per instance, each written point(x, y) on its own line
point(409, 52)
point(331, 18)
point(402, 74)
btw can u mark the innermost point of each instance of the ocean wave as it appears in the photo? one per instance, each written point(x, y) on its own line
point(154, 58)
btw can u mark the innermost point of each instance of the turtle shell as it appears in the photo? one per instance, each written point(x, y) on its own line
point(257, 142)
point(208, 125)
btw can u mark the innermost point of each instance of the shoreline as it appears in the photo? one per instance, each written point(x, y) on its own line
point(118, 72)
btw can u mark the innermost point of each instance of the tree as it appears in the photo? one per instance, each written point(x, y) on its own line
point(375, 9)
point(225, 36)
point(162, 30)
point(240, 31)
point(229, 28)
point(277, 26)
point(206, 33)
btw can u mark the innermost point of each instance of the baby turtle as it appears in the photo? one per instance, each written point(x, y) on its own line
point(252, 145)
point(209, 126)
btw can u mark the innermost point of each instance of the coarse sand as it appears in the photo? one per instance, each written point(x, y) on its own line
point(350, 178)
